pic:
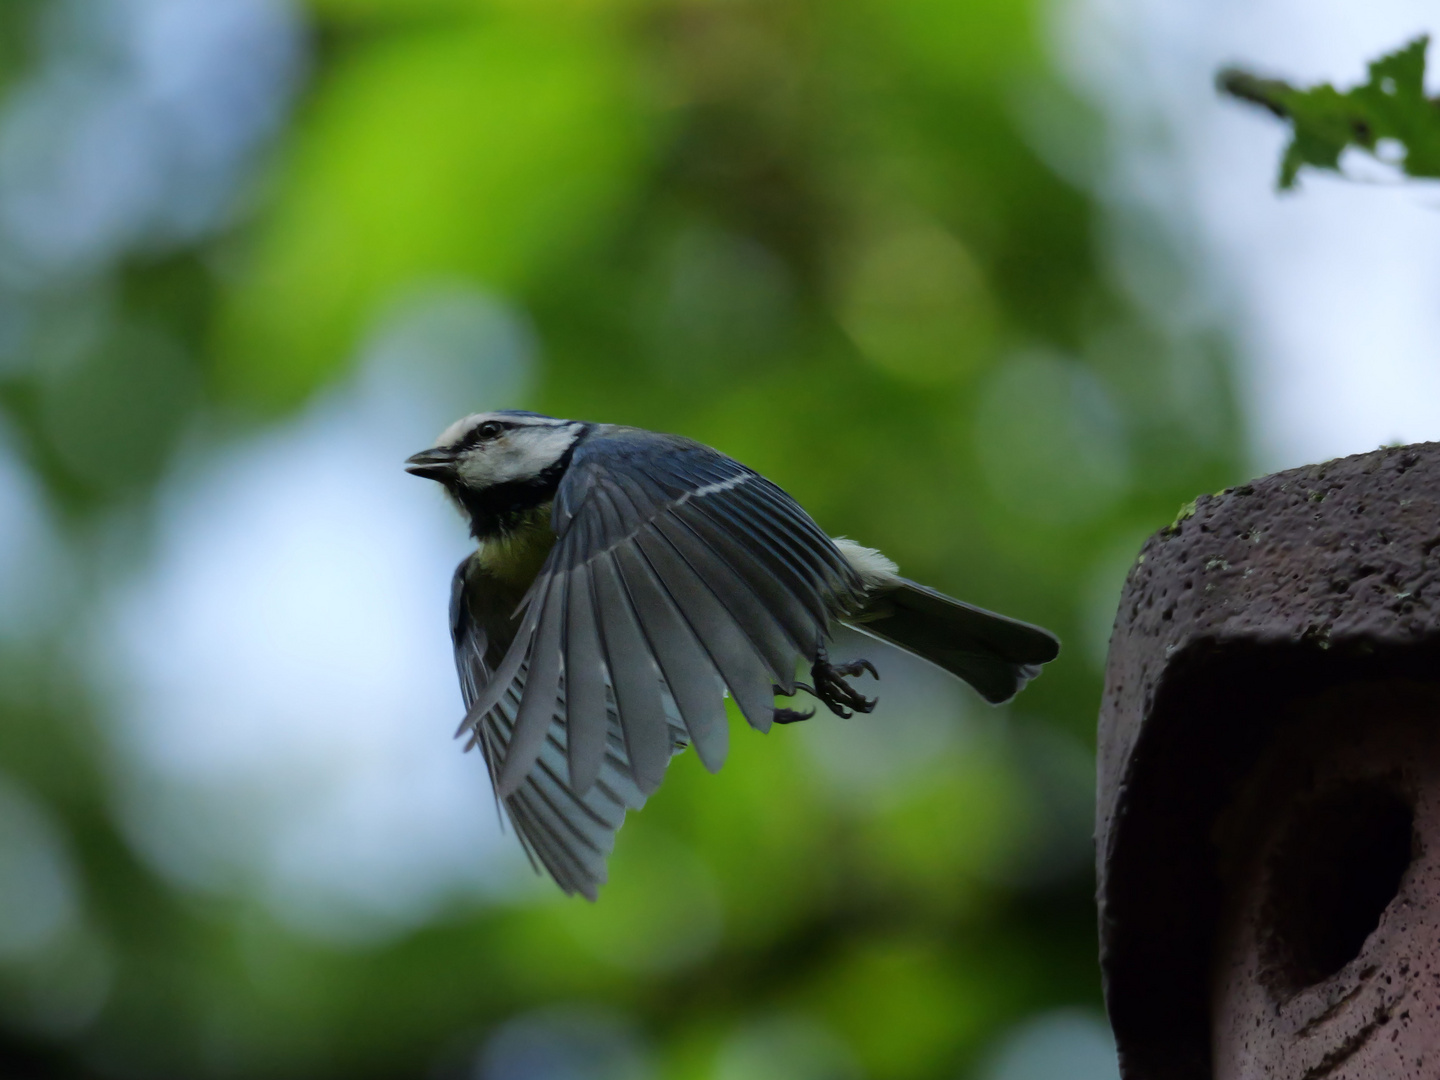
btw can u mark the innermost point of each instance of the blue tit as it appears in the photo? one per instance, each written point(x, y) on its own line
point(624, 580)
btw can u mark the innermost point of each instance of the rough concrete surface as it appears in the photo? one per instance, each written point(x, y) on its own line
point(1257, 598)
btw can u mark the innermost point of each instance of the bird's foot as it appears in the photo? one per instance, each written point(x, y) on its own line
point(832, 689)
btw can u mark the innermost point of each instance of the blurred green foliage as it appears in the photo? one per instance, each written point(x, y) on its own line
point(830, 239)
point(1389, 116)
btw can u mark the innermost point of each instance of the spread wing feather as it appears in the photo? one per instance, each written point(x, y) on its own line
point(635, 675)
point(839, 576)
point(585, 677)
point(691, 678)
point(805, 583)
point(497, 683)
point(773, 594)
point(725, 644)
point(541, 699)
point(568, 834)
point(737, 598)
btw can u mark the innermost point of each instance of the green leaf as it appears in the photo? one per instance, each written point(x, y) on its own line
point(1390, 110)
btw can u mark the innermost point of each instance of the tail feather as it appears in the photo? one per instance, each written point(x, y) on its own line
point(995, 654)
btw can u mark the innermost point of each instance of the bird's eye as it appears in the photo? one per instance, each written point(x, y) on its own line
point(491, 429)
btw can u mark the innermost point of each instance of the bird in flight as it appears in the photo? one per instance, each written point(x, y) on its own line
point(624, 580)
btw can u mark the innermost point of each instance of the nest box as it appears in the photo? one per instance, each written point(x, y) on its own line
point(1268, 824)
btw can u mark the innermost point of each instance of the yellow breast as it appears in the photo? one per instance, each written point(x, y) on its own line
point(513, 560)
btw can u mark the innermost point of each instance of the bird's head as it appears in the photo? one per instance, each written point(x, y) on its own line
point(499, 466)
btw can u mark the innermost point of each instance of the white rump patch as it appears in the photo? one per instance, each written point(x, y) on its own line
point(875, 569)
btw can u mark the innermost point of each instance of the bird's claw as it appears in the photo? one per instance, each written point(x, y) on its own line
point(792, 716)
point(855, 667)
point(838, 695)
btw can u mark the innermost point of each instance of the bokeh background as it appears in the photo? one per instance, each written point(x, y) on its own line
point(995, 286)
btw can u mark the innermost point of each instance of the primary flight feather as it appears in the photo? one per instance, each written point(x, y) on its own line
point(623, 580)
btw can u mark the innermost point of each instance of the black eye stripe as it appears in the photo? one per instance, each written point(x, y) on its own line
point(490, 429)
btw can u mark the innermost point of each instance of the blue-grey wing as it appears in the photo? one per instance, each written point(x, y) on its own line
point(570, 833)
point(676, 572)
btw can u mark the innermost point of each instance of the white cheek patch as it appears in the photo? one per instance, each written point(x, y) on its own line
point(522, 454)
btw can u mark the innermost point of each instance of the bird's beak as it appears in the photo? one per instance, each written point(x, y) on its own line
point(436, 464)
